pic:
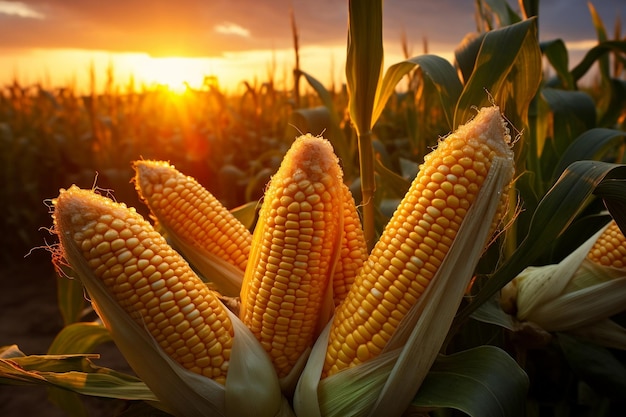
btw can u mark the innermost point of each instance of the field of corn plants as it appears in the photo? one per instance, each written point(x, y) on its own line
point(530, 325)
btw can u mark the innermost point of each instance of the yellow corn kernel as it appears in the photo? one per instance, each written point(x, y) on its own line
point(294, 251)
point(353, 252)
point(415, 241)
point(610, 248)
point(150, 280)
point(186, 208)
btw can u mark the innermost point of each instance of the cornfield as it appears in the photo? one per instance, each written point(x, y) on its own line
point(537, 327)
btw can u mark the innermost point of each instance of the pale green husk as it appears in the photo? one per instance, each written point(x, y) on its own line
point(387, 384)
point(571, 294)
point(538, 285)
point(251, 389)
point(75, 373)
point(183, 393)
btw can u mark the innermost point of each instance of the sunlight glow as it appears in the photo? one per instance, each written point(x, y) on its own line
point(71, 67)
point(17, 8)
point(175, 73)
point(583, 45)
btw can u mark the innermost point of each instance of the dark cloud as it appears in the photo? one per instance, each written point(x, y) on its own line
point(187, 27)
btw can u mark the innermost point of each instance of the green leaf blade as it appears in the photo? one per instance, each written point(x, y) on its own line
point(440, 72)
point(484, 381)
point(590, 145)
point(364, 62)
point(508, 66)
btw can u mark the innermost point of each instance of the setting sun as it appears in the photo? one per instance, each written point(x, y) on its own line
point(175, 73)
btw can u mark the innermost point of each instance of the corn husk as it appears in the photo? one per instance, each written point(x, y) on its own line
point(386, 385)
point(251, 387)
point(573, 294)
point(605, 333)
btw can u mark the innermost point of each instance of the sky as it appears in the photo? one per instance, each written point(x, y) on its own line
point(56, 41)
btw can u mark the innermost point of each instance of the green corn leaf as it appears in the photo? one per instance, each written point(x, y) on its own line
point(594, 54)
point(573, 112)
point(79, 338)
point(612, 191)
point(313, 120)
point(592, 144)
point(73, 339)
point(556, 52)
point(71, 297)
point(321, 121)
point(507, 67)
point(438, 70)
point(613, 112)
point(491, 312)
point(596, 365)
point(535, 149)
point(554, 213)
point(246, 214)
point(601, 34)
point(72, 372)
point(466, 52)
point(487, 383)
point(332, 128)
point(529, 7)
point(503, 12)
point(408, 168)
point(395, 186)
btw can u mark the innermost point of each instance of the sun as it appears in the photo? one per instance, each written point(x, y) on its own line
point(175, 73)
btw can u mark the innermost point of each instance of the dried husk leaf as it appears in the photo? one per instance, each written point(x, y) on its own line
point(222, 275)
point(387, 384)
point(581, 307)
point(605, 333)
point(534, 281)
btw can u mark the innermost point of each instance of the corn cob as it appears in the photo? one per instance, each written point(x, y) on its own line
point(353, 252)
point(294, 251)
point(610, 248)
point(415, 241)
point(151, 281)
point(186, 208)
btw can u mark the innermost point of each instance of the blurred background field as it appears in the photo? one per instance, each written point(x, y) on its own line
point(232, 144)
point(55, 138)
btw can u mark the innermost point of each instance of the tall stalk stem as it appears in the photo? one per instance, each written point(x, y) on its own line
point(368, 186)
